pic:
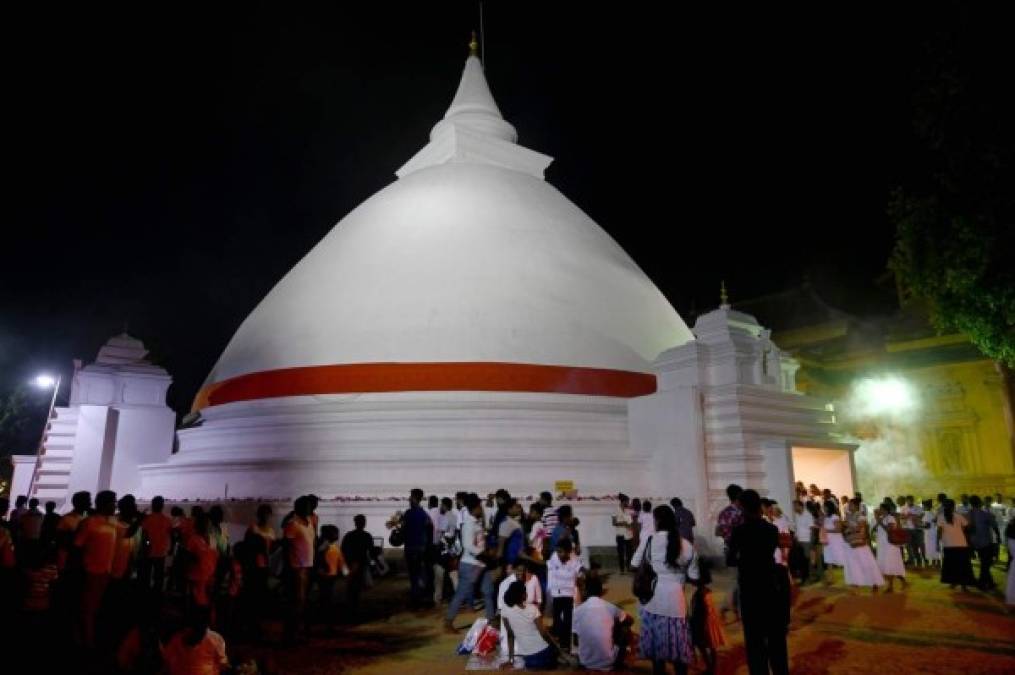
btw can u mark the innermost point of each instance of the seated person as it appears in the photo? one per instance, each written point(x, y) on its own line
point(195, 648)
point(603, 629)
point(527, 636)
point(533, 594)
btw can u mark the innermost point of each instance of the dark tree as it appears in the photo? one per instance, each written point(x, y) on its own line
point(955, 219)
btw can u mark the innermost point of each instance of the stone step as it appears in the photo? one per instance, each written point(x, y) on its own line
point(59, 453)
point(51, 493)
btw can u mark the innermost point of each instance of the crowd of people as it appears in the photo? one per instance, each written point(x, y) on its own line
point(139, 591)
point(135, 591)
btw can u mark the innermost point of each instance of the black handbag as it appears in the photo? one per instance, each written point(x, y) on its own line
point(644, 585)
point(396, 538)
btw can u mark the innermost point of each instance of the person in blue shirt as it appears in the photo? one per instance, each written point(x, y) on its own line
point(417, 535)
point(984, 533)
point(563, 529)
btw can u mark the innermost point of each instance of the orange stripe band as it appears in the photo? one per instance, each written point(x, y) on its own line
point(359, 378)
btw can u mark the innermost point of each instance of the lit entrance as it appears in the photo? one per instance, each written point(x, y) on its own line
point(830, 468)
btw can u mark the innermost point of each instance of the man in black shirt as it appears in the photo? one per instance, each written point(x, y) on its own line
point(357, 547)
point(764, 593)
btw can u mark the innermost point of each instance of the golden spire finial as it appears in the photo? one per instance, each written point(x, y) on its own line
point(724, 298)
point(474, 45)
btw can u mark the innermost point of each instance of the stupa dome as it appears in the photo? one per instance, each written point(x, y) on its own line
point(469, 272)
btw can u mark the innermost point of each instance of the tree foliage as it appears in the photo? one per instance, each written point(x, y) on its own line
point(16, 418)
point(955, 220)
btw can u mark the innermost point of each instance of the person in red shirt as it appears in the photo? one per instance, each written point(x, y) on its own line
point(157, 528)
point(330, 564)
point(96, 538)
point(203, 560)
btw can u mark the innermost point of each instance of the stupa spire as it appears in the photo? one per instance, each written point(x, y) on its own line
point(473, 130)
point(473, 106)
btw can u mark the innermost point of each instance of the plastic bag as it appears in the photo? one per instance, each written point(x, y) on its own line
point(487, 642)
point(469, 641)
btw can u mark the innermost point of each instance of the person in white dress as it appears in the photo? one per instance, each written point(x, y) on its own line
point(860, 569)
point(889, 555)
point(931, 550)
point(834, 548)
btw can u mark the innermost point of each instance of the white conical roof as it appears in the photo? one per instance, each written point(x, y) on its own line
point(470, 257)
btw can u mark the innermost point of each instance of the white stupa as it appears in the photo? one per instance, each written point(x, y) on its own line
point(468, 327)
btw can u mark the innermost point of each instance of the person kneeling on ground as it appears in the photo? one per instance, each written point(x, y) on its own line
point(527, 636)
point(603, 630)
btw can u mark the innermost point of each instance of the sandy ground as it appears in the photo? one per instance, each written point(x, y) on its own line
point(925, 629)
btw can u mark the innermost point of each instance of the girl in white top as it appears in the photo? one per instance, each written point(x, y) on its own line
point(834, 552)
point(527, 636)
point(889, 554)
point(665, 631)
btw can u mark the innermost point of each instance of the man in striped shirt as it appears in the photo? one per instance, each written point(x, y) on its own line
point(549, 511)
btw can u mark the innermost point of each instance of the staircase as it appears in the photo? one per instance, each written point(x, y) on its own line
point(53, 472)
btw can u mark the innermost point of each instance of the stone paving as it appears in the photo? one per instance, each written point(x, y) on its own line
point(925, 629)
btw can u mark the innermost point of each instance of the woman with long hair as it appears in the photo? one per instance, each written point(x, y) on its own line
point(956, 568)
point(833, 548)
point(665, 630)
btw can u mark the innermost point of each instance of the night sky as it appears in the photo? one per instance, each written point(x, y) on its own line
point(166, 165)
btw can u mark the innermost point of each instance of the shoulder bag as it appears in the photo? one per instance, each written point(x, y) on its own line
point(645, 578)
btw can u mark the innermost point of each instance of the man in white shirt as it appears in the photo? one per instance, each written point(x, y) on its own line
point(801, 525)
point(623, 527)
point(472, 570)
point(461, 512)
point(646, 521)
point(594, 623)
point(912, 521)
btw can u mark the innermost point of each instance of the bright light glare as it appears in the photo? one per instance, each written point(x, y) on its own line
point(885, 395)
point(44, 381)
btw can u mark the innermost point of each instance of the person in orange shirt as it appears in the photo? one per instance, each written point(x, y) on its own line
point(67, 527)
point(299, 542)
point(330, 564)
point(128, 529)
point(203, 560)
point(157, 528)
point(96, 537)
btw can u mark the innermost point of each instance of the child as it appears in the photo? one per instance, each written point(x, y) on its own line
point(706, 627)
point(330, 564)
point(563, 572)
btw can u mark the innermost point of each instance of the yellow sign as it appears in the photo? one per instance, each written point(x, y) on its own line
point(563, 486)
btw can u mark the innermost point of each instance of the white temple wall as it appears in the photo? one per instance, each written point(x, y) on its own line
point(667, 427)
point(143, 435)
point(779, 472)
point(93, 442)
point(23, 466)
